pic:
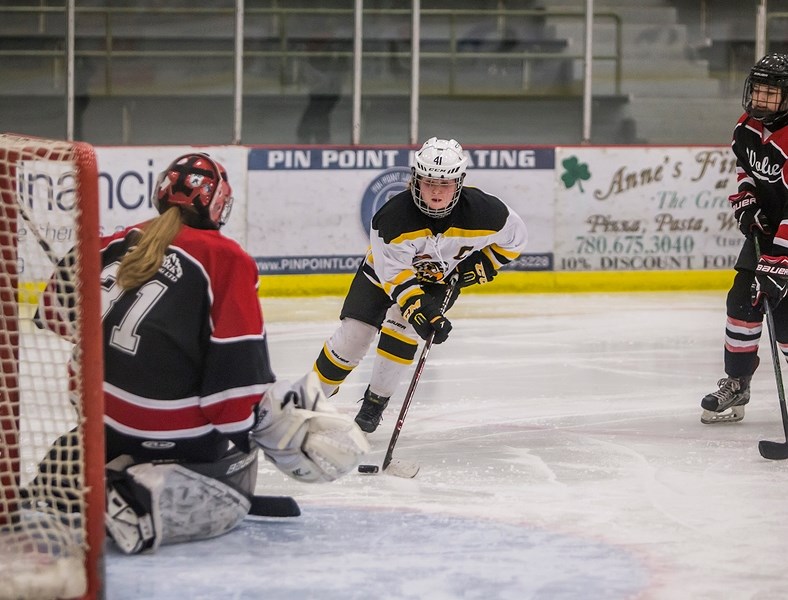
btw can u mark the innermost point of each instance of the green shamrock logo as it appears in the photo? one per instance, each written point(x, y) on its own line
point(575, 172)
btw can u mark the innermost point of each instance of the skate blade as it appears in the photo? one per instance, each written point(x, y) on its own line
point(402, 468)
point(732, 415)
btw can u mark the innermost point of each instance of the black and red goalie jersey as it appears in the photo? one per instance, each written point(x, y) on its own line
point(186, 357)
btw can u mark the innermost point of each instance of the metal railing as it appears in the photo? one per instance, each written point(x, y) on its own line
point(454, 56)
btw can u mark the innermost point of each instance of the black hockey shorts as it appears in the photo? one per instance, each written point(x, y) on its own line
point(368, 303)
point(739, 300)
point(365, 301)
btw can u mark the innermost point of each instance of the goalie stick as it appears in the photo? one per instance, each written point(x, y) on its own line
point(62, 265)
point(53, 258)
point(401, 468)
point(235, 462)
point(768, 449)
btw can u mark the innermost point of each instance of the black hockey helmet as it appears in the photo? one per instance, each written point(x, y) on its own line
point(771, 70)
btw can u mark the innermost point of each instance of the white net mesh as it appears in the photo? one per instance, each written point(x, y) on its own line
point(43, 536)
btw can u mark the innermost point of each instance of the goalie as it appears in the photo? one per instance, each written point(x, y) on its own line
point(189, 392)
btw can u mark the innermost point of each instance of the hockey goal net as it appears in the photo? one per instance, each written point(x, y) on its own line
point(51, 524)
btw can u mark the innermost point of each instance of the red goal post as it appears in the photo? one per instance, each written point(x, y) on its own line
point(51, 529)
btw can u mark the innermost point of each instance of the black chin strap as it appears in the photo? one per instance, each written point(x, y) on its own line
point(197, 221)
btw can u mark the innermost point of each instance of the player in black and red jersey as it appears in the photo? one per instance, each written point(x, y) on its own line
point(188, 386)
point(760, 143)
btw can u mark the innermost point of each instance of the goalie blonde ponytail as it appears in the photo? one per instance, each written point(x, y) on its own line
point(143, 260)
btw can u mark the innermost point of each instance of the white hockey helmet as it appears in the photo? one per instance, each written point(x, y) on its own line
point(438, 159)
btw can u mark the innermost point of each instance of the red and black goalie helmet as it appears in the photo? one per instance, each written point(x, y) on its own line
point(199, 182)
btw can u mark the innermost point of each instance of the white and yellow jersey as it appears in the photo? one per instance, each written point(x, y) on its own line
point(408, 248)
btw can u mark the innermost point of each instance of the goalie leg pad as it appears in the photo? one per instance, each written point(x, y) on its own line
point(129, 514)
point(153, 504)
point(191, 506)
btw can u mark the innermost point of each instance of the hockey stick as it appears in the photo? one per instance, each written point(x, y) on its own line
point(53, 258)
point(774, 450)
point(62, 266)
point(397, 467)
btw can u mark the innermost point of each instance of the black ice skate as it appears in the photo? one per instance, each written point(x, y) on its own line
point(726, 405)
point(371, 411)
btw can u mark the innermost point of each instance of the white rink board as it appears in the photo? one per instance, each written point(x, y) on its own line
point(127, 177)
point(307, 210)
point(315, 204)
point(624, 209)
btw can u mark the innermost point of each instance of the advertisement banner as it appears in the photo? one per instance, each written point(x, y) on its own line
point(310, 209)
point(645, 209)
point(307, 210)
point(127, 176)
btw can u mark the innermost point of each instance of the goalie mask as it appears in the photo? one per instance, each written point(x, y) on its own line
point(438, 163)
point(768, 82)
point(196, 181)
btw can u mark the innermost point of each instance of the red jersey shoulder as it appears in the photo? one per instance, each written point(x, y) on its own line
point(750, 135)
point(233, 277)
point(106, 240)
point(780, 138)
point(219, 255)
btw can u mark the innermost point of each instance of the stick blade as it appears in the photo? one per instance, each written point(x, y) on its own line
point(773, 450)
point(402, 468)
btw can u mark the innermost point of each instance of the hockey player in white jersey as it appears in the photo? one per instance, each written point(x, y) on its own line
point(418, 240)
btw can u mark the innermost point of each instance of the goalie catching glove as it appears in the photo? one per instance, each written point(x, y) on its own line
point(771, 281)
point(423, 313)
point(749, 216)
point(476, 268)
point(304, 436)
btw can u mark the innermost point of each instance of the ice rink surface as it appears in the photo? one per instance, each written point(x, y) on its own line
point(562, 457)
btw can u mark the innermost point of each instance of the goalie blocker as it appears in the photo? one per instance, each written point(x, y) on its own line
point(150, 504)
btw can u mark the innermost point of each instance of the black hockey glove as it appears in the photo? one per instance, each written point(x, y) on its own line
point(749, 216)
point(477, 268)
point(423, 313)
point(771, 281)
point(438, 293)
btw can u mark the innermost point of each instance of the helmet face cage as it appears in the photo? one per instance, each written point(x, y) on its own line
point(196, 181)
point(772, 71)
point(438, 160)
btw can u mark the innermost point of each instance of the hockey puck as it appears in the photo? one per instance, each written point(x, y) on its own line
point(368, 468)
